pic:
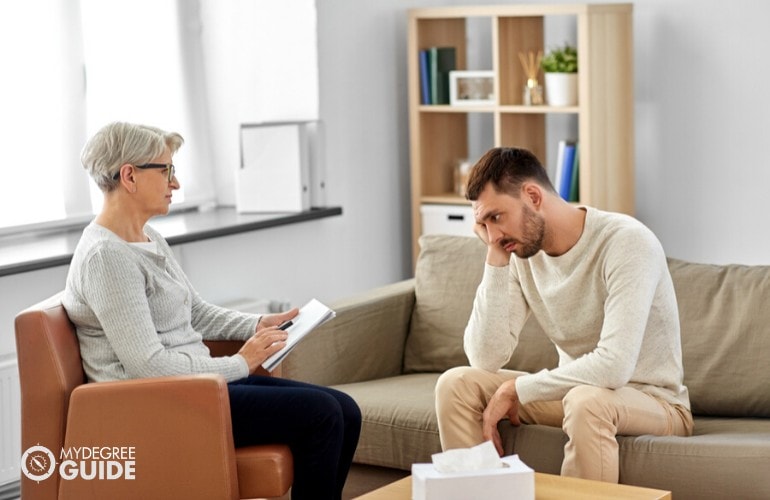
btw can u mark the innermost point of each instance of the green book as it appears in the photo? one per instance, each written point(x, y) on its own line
point(441, 61)
point(574, 183)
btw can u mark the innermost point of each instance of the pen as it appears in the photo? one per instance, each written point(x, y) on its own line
point(285, 325)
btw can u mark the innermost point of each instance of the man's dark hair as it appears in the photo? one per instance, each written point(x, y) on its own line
point(507, 169)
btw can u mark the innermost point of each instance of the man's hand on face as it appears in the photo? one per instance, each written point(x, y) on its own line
point(496, 255)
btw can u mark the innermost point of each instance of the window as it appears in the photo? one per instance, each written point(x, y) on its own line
point(37, 63)
point(71, 66)
point(134, 71)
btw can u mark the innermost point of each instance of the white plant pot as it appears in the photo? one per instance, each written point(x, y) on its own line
point(561, 89)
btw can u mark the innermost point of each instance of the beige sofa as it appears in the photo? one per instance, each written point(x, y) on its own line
point(387, 347)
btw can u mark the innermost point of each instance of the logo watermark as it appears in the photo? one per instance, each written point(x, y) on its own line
point(38, 463)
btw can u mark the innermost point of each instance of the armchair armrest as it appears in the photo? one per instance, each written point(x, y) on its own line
point(365, 341)
point(179, 428)
point(219, 348)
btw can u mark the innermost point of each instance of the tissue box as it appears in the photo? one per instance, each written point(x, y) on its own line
point(515, 480)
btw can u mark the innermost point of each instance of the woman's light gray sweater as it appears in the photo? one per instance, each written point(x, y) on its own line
point(137, 315)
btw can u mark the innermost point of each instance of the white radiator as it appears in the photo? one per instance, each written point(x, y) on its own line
point(10, 420)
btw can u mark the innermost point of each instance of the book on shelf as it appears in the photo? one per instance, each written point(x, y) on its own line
point(564, 168)
point(441, 60)
point(424, 78)
point(568, 165)
point(574, 186)
point(566, 177)
point(311, 315)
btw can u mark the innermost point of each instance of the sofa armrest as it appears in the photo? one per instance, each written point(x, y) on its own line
point(179, 428)
point(365, 341)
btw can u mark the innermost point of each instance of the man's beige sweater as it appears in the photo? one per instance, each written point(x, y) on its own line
point(608, 305)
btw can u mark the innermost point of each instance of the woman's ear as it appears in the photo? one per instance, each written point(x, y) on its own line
point(127, 177)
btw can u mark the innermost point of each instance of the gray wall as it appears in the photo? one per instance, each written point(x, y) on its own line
point(701, 114)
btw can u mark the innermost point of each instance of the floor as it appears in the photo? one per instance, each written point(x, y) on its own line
point(363, 479)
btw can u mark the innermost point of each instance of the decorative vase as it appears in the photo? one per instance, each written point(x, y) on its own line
point(561, 89)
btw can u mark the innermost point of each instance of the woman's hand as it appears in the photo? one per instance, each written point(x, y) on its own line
point(269, 320)
point(262, 345)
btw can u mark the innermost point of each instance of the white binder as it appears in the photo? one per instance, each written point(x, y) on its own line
point(281, 167)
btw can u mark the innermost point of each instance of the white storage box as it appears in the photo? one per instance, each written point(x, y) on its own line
point(515, 481)
point(447, 219)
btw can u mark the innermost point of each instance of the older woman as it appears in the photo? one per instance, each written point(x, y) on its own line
point(137, 315)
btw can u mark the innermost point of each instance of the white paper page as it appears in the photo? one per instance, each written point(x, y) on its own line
point(311, 315)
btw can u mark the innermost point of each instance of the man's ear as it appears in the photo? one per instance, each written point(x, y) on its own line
point(532, 193)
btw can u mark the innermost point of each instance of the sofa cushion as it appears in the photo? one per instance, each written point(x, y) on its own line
point(725, 322)
point(399, 425)
point(720, 459)
point(449, 269)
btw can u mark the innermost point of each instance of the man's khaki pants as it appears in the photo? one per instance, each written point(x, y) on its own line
point(590, 416)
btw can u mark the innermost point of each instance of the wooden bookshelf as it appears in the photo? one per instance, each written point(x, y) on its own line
point(439, 133)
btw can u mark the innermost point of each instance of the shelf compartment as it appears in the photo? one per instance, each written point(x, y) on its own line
point(444, 139)
point(522, 131)
point(514, 35)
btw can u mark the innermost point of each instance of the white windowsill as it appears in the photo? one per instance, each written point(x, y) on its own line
point(51, 247)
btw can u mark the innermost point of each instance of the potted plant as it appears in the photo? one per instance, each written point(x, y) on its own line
point(560, 66)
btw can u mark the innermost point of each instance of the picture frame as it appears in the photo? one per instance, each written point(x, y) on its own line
point(471, 88)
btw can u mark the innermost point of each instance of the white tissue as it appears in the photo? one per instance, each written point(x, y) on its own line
point(483, 456)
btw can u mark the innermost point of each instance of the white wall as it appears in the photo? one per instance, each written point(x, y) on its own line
point(701, 126)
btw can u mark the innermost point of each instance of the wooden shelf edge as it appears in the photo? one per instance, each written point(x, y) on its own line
point(444, 199)
point(508, 108)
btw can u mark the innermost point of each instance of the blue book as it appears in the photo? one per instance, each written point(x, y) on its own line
point(574, 187)
point(424, 78)
point(567, 167)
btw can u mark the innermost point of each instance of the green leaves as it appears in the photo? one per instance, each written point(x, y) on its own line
point(561, 60)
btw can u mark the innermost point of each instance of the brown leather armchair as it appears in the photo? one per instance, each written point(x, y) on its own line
point(178, 427)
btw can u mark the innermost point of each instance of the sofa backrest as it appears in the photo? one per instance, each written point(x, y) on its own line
point(448, 271)
point(724, 311)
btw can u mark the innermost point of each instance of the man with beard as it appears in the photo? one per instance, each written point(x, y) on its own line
point(598, 284)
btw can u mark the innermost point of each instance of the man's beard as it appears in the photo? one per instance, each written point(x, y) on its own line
point(533, 228)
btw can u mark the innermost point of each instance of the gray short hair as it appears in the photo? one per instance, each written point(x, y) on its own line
point(119, 143)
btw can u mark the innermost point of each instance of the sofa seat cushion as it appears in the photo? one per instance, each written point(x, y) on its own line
point(399, 425)
point(720, 460)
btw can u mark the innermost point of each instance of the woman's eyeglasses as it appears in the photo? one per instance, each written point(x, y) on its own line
point(170, 169)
